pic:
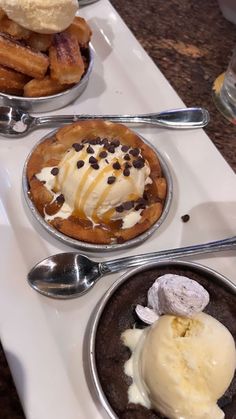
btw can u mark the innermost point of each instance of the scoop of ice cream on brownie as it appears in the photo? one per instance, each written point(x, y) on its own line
point(181, 366)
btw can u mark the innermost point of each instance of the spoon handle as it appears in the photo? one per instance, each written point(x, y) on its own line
point(177, 118)
point(116, 265)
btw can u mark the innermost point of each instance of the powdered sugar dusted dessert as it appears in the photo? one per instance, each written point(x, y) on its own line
point(173, 294)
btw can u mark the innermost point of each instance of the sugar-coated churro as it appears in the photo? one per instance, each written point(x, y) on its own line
point(12, 28)
point(66, 62)
point(22, 59)
point(12, 82)
point(43, 87)
point(80, 30)
point(39, 41)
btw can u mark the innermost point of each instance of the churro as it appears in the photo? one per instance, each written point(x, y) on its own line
point(43, 87)
point(12, 82)
point(80, 30)
point(22, 59)
point(66, 62)
point(12, 28)
point(39, 41)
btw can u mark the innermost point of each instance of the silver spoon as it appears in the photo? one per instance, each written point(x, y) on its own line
point(14, 122)
point(69, 275)
point(85, 2)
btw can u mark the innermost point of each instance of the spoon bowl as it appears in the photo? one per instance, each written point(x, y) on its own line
point(14, 122)
point(65, 275)
point(70, 275)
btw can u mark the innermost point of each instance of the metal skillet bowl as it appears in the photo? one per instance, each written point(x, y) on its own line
point(53, 102)
point(101, 248)
point(104, 353)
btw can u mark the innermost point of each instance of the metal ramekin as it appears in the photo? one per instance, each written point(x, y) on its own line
point(101, 248)
point(53, 102)
point(90, 337)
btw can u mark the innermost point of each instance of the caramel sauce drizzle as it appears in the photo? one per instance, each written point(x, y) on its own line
point(106, 217)
point(81, 198)
point(93, 185)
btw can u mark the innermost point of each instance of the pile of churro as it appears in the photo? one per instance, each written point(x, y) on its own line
point(34, 64)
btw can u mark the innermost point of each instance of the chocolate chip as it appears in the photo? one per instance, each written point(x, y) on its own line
point(115, 142)
point(139, 207)
point(90, 150)
point(111, 180)
point(125, 148)
point(141, 203)
point(80, 163)
point(126, 157)
point(105, 141)
point(55, 171)
point(127, 165)
point(120, 208)
point(116, 165)
point(92, 160)
point(107, 162)
point(103, 154)
point(134, 152)
point(95, 141)
point(110, 148)
point(77, 146)
point(146, 195)
point(128, 205)
point(126, 172)
point(185, 218)
point(138, 164)
point(95, 166)
point(60, 199)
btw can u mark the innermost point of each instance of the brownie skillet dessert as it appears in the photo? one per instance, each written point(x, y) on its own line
point(97, 182)
point(119, 316)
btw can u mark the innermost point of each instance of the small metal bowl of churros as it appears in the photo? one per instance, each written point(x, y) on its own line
point(44, 72)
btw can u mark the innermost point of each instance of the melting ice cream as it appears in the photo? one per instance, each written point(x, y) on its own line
point(101, 182)
point(181, 366)
point(185, 361)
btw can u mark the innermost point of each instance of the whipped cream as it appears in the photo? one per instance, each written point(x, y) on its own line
point(173, 294)
point(98, 184)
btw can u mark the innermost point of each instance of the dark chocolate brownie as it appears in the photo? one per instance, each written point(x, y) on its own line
point(119, 315)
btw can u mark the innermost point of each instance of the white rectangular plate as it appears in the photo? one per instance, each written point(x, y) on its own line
point(43, 338)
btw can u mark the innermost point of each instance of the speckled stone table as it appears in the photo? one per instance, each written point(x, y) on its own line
point(191, 43)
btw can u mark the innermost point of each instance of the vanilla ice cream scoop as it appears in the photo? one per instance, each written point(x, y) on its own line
point(174, 294)
point(42, 16)
point(182, 366)
point(102, 184)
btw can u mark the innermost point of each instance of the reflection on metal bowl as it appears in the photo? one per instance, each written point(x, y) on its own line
point(53, 102)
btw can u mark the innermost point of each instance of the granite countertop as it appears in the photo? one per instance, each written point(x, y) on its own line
point(191, 42)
